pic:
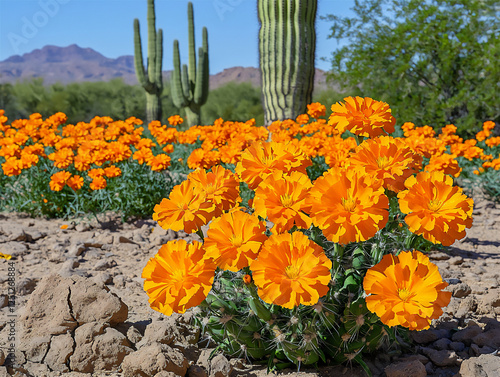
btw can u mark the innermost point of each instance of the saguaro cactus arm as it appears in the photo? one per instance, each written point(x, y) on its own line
point(190, 84)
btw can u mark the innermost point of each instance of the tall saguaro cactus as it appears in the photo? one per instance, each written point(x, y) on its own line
point(287, 45)
point(190, 86)
point(152, 80)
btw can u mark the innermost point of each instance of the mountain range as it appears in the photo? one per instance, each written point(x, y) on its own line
point(76, 64)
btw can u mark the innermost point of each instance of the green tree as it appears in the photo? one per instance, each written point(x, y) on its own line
point(435, 62)
point(234, 102)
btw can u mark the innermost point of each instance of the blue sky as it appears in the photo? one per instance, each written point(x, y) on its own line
point(106, 26)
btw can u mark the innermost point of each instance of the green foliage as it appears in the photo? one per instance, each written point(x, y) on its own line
point(190, 84)
point(287, 45)
point(435, 62)
point(79, 101)
point(234, 102)
point(152, 82)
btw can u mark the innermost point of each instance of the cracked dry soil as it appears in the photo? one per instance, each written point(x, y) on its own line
point(80, 308)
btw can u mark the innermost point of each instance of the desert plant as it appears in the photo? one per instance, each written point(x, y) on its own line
point(152, 82)
point(190, 86)
point(287, 44)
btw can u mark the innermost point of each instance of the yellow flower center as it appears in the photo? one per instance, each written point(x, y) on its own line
point(236, 240)
point(286, 200)
point(292, 272)
point(210, 189)
point(382, 162)
point(434, 205)
point(349, 203)
point(178, 275)
point(405, 294)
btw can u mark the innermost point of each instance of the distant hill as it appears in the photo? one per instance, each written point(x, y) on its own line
point(75, 64)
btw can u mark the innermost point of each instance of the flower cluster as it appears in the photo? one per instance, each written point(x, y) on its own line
point(349, 204)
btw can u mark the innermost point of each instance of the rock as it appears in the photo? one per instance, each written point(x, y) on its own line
point(165, 374)
point(442, 344)
point(2, 357)
point(196, 371)
point(455, 261)
point(61, 348)
point(452, 281)
point(442, 358)
point(425, 336)
point(35, 348)
point(103, 278)
point(460, 290)
point(76, 250)
point(457, 346)
point(134, 335)
point(15, 249)
point(465, 335)
point(98, 350)
point(20, 236)
point(104, 265)
point(488, 338)
point(47, 310)
point(163, 332)
point(4, 301)
point(82, 227)
point(438, 256)
point(489, 301)
point(404, 369)
point(467, 306)
point(482, 366)
point(220, 366)
point(119, 281)
point(93, 302)
point(152, 359)
point(122, 239)
point(25, 286)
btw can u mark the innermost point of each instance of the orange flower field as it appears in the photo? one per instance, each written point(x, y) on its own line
point(302, 225)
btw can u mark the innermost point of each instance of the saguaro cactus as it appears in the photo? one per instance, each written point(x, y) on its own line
point(190, 86)
point(287, 44)
point(152, 82)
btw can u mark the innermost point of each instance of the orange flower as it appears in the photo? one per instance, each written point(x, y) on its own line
point(435, 208)
point(445, 163)
point(28, 160)
point(406, 290)
point(64, 226)
point(112, 171)
point(75, 182)
point(234, 240)
point(98, 183)
point(302, 119)
point(178, 277)
point(291, 270)
point(348, 205)
point(159, 162)
point(175, 120)
point(62, 158)
point(220, 187)
point(282, 199)
point(388, 159)
point(316, 110)
point(143, 155)
point(185, 209)
point(168, 148)
point(362, 116)
point(58, 180)
point(12, 166)
point(94, 173)
point(262, 158)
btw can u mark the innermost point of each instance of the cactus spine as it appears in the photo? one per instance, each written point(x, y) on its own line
point(153, 81)
point(190, 86)
point(287, 44)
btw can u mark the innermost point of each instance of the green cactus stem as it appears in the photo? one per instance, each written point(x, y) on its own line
point(152, 80)
point(190, 85)
point(287, 44)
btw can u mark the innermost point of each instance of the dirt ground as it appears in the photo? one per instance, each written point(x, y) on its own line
point(112, 254)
